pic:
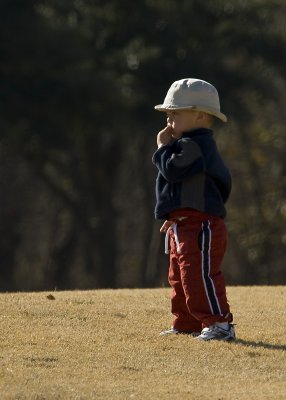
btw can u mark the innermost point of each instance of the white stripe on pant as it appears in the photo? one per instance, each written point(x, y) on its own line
point(206, 269)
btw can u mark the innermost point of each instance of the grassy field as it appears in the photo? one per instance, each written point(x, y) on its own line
point(105, 344)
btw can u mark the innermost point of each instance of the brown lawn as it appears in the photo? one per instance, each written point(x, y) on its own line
point(105, 344)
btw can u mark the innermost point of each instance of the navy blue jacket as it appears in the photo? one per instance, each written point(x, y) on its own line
point(191, 175)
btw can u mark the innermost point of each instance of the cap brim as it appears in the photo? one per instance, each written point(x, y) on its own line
point(219, 115)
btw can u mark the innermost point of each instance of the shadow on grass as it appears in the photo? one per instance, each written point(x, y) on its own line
point(260, 344)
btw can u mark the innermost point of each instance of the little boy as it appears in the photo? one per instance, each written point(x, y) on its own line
point(192, 187)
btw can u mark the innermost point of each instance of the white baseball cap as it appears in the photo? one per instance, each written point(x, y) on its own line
point(192, 94)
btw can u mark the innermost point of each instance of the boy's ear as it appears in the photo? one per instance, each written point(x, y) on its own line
point(205, 119)
point(200, 115)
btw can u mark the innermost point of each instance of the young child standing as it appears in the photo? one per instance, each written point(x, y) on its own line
point(192, 186)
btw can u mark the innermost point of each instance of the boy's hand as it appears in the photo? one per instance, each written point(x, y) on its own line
point(166, 225)
point(164, 136)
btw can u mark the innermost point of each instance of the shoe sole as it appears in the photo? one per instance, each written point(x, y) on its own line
point(226, 339)
point(194, 334)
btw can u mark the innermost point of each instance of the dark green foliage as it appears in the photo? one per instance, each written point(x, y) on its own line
point(78, 82)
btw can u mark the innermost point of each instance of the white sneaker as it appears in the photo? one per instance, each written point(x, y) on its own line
point(171, 331)
point(215, 332)
point(174, 331)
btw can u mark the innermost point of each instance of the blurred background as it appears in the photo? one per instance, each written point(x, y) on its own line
point(78, 83)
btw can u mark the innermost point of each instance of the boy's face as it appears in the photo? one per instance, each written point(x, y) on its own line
point(185, 120)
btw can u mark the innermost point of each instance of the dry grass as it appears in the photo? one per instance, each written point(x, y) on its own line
point(105, 345)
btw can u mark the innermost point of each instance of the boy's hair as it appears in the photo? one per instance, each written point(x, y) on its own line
point(193, 94)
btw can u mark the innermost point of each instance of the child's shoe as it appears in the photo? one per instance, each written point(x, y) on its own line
point(215, 332)
point(174, 331)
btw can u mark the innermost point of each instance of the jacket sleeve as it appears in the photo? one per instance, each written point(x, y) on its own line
point(176, 166)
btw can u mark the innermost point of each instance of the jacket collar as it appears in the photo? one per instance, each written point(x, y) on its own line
point(197, 132)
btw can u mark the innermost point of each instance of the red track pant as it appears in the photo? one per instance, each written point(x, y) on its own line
point(197, 246)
